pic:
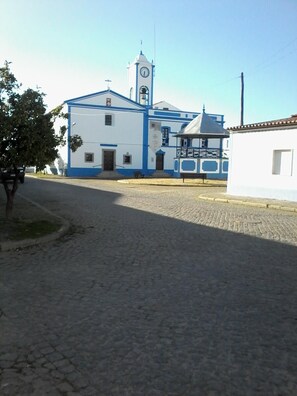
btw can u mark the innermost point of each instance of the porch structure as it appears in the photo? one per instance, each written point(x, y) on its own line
point(202, 147)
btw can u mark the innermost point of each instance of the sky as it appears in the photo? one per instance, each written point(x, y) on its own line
point(68, 48)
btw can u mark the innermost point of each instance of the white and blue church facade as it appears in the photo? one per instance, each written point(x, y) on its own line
point(131, 135)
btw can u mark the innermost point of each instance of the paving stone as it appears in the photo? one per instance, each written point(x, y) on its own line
point(65, 387)
point(11, 357)
point(54, 357)
point(153, 293)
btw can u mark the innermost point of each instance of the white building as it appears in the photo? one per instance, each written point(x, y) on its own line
point(263, 160)
point(124, 135)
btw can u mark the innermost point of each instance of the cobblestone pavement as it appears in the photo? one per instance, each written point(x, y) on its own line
point(152, 293)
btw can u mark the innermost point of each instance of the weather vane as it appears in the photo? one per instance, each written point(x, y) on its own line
point(108, 81)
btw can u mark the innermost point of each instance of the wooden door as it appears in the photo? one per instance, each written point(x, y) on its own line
point(159, 161)
point(108, 160)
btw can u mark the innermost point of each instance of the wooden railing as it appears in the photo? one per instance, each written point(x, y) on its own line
point(192, 152)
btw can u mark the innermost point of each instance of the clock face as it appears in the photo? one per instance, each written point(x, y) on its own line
point(144, 72)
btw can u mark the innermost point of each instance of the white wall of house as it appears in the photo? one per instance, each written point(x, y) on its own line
point(125, 136)
point(263, 163)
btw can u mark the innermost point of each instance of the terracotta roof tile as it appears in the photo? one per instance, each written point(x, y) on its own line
point(267, 124)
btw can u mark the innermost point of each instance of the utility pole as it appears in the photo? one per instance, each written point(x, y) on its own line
point(242, 99)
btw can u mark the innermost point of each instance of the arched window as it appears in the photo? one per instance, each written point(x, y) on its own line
point(144, 95)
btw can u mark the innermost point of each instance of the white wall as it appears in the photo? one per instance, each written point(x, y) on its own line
point(125, 133)
point(254, 168)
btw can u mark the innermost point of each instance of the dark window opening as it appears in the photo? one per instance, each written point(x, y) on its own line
point(127, 159)
point(186, 142)
point(165, 136)
point(204, 143)
point(144, 95)
point(108, 119)
point(89, 157)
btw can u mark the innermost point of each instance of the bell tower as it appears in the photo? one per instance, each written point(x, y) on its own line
point(141, 78)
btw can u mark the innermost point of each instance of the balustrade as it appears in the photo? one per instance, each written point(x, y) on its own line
point(191, 152)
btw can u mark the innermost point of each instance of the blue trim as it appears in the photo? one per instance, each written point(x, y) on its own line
point(108, 91)
point(184, 114)
point(210, 166)
point(136, 84)
point(152, 85)
point(94, 172)
point(110, 108)
point(83, 172)
point(145, 142)
point(69, 134)
point(221, 152)
point(151, 117)
point(108, 145)
point(165, 113)
point(188, 166)
point(168, 147)
point(225, 166)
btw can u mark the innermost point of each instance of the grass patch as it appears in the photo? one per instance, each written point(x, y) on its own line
point(19, 230)
point(41, 175)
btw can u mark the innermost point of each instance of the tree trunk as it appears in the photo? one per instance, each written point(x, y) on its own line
point(10, 193)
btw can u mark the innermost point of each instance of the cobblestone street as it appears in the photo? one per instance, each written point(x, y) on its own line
point(152, 292)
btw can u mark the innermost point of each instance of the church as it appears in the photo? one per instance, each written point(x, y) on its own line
point(132, 136)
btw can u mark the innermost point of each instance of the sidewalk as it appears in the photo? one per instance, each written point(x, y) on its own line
point(256, 202)
point(218, 193)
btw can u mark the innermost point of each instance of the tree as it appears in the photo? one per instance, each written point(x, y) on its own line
point(27, 132)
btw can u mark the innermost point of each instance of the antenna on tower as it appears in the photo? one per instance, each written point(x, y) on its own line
point(154, 43)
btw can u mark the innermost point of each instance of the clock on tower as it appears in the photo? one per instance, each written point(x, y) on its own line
point(141, 80)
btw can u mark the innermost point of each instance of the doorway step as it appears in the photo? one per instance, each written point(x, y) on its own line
point(161, 174)
point(112, 175)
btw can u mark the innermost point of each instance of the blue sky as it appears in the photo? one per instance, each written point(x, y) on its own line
point(200, 47)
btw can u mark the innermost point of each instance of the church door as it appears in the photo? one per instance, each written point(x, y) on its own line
point(108, 160)
point(160, 162)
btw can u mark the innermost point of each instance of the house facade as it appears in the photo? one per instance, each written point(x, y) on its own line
point(263, 160)
point(126, 135)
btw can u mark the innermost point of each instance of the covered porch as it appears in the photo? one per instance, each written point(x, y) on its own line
point(202, 147)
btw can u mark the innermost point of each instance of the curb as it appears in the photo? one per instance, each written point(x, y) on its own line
point(13, 245)
point(264, 205)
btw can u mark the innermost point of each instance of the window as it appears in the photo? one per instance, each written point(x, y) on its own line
point(108, 119)
point(89, 157)
point(186, 142)
point(282, 162)
point(165, 136)
point(127, 159)
point(144, 95)
point(204, 143)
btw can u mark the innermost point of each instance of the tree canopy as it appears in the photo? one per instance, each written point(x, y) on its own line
point(27, 133)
